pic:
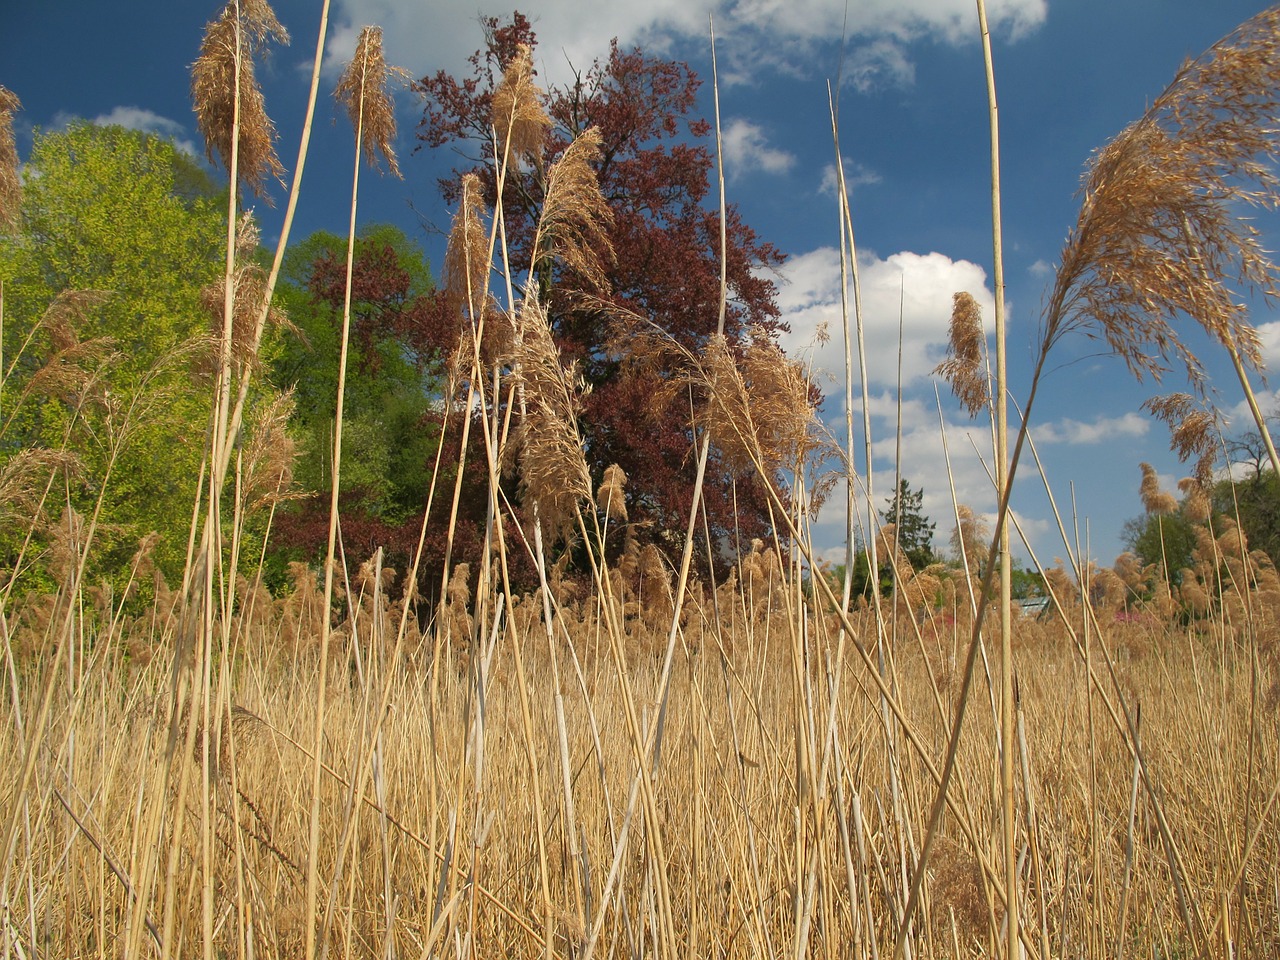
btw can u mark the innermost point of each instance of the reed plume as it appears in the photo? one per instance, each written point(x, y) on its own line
point(612, 493)
point(363, 89)
point(575, 217)
point(1155, 500)
point(518, 116)
point(1193, 431)
point(553, 470)
point(1158, 236)
point(228, 100)
point(10, 182)
point(466, 257)
point(250, 290)
point(963, 368)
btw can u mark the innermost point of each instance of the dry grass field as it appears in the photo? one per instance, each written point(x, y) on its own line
point(633, 761)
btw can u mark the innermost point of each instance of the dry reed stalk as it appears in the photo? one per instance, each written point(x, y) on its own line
point(363, 89)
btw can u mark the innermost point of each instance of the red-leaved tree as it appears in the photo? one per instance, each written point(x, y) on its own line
point(654, 170)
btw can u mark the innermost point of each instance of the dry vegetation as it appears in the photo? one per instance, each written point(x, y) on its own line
point(633, 762)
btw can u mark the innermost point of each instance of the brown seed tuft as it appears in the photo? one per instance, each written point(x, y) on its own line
point(1193, 431)
point(553, 469)
point(575, 217)
point(612, 493)
point(466, 258)
point(518, 116)
point(225, 66)
point(1155, 500)
point(963, 367)
point(363, 89)
point(10, 182)
point(1158, 235)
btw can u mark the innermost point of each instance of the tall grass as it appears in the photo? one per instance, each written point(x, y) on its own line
point(639, 761)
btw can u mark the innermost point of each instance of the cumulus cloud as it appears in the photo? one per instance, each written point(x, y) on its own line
point(746, 148)
point(148, 121)
point(916, 288)
point(1076, 432)
point(751, 33)
point(1269, 334)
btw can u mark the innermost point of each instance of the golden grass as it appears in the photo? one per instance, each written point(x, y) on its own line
point(758, 828)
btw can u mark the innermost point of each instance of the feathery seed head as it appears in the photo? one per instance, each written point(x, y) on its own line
point(553, 469)
point(518, 115)
point(363, 88)
point(1193, 431)
point(227, 95)
point(1158, 236)
point(1155, 500)
point(466, 258)
point(10, 183)
point(963, 366)
point(575, 217)
point(612, 493)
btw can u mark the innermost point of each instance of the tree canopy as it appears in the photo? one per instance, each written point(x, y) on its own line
point(119, 233)
point(653, 169)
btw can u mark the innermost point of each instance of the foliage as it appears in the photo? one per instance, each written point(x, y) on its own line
point(127, 216)
point(1166, 540)
point(653, 169)
point(905, 509)
point(392, 426)
point(1256, 502)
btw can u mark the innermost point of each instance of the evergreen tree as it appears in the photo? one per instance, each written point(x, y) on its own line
point(915, 530)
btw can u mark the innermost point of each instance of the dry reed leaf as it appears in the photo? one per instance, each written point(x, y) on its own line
point(1155, 500)
point(963, 367)
point(1158, 236)
point(224, 68)
point(518, 116)
point(10, 181)
point(573, 227)
point(553, 469)
point(363, 88)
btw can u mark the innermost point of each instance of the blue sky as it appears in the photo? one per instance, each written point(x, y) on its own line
point(1070, 75)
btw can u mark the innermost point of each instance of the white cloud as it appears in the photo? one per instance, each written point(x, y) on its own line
point(147, 121)
point(855, 175)
point(1074, 432)
point(751, 33)
point(746, 148)
point(914, 287)
point(1269, 334)
point(1041, 269)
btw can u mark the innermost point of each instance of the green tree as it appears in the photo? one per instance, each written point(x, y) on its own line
point(1164, 539)
point(914, 530)
point(1256, 497)
point(391, 429)
point(128, 216)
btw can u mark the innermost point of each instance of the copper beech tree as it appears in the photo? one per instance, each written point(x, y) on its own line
point(654, 169)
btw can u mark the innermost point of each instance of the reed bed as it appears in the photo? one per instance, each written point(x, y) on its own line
point(765, 830)
point(634, 760)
